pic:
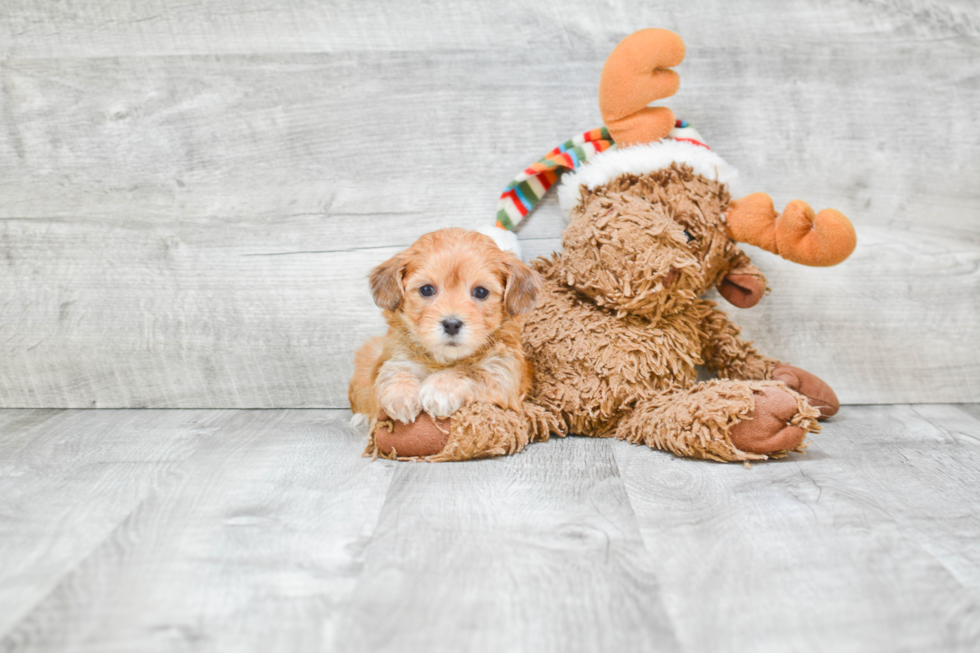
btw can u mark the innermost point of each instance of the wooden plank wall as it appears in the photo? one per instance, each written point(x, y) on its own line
point(191, 196)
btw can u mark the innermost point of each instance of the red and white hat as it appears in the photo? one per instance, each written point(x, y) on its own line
point(682, 145)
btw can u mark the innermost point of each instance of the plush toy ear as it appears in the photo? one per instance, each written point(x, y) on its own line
point(386, 283)
point(743, 287)
point(521, 290)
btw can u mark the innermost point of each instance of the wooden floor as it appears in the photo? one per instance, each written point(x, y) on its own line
point(238, 530)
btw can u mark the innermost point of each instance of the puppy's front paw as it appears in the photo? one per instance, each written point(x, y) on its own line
point(443, 394)
point(401, 403)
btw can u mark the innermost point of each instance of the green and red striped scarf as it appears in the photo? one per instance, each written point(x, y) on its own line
point(527, 189)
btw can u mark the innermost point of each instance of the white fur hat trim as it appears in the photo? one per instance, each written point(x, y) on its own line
point(641, 159)
point(506, 240)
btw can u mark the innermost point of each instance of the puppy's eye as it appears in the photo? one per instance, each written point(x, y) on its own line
point(427, 291)
point(480, 292)
point(688, 235)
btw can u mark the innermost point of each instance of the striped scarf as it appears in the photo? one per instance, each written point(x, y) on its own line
point(527, 189)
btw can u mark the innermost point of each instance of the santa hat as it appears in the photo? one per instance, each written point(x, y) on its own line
point(592, 159)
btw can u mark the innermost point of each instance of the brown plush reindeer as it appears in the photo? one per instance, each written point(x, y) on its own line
point(620, 324)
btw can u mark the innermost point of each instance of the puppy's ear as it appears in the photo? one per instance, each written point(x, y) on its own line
point(386, 283)
point(522, 287)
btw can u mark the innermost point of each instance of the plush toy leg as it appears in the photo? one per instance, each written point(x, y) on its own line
point(724, 420)
point(477, 430)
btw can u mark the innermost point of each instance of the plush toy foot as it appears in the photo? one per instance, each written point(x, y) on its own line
point(423, 437)
point(724, 420)
point(820, 395)
point(769, 426)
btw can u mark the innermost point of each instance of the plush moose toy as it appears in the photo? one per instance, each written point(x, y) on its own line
point(620, 324)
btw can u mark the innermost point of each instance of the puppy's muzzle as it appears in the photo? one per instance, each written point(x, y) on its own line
point(452, 326)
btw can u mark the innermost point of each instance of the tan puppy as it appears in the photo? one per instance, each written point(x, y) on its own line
point(454, 303)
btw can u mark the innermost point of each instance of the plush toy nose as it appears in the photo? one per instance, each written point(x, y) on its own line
point(669, 278)
point(451, 325)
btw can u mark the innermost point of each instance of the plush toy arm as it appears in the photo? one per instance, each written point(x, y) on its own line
point(727, 354)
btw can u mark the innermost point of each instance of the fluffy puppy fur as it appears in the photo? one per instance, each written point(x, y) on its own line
point(454, 303)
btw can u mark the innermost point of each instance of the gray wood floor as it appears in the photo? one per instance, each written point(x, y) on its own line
point(231, 530)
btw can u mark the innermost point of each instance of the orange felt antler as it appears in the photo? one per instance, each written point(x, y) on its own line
point(798, 235)
point(635, 74)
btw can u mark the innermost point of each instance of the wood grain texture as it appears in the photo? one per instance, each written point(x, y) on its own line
point(970, 409)
point(181, 318)
point(152, 156)
point(207, 315)
point(145, 530)
point(103, 28)
point(537, 552)
point(189, 530)
point(357, 136)
point(15, 422)
point(883, 505)
point(69, 479)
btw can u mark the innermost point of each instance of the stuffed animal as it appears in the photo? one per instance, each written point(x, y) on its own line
point(620, 326)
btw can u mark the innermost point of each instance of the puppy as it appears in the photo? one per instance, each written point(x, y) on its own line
point(454, 303)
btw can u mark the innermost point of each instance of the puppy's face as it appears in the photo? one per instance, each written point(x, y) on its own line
point(452, 290)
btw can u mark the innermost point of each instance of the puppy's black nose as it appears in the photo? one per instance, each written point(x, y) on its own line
point(451, 325)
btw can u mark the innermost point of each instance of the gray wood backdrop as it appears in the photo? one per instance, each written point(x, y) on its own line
point(191, 196)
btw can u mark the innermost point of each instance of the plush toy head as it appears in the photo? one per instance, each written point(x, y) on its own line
point(652, 226)
point(649, 245)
